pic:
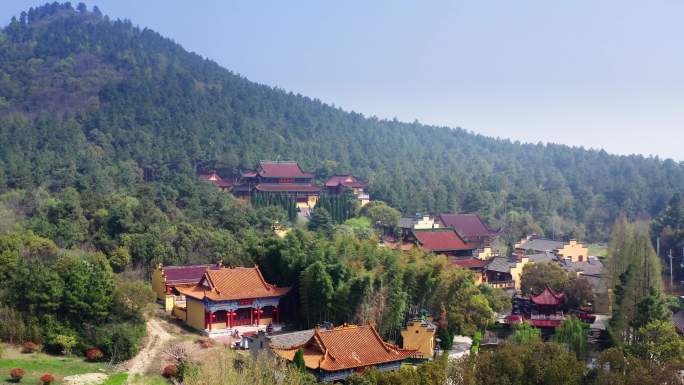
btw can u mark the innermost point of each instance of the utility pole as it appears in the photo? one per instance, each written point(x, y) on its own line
point(671, 276)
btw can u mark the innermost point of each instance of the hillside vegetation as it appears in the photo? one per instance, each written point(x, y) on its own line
point(101, 105)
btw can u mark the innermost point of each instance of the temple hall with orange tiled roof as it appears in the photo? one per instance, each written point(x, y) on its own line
point(335, 354)
point(230, 297)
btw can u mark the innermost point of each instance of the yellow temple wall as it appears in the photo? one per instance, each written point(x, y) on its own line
point(417, 336)
point(158, 283)
point(195, 313)
point(574, 251)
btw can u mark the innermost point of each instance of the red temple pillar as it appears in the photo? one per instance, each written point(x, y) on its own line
point(276, 318)
point(211, 319)
point(251, 316)
point(258, 315)
point(230, 318)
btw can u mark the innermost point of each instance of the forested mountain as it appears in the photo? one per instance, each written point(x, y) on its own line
point(96, 104)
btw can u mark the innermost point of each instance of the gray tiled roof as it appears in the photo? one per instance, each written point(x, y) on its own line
point(500, 264)
point(541, 245)
point(406, 223)
point(593, 267)
point(542, 257)
point(288, 340)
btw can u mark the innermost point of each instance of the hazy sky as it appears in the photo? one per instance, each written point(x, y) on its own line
point(594, 73)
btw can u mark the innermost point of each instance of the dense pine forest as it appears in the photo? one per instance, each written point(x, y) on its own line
point(104, 128)
point(99, 105)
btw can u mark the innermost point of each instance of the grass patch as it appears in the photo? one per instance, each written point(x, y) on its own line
point(37, 364)
point(598, 250)
point(116, 379)
point(148, 380)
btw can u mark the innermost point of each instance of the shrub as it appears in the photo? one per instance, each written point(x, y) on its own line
point(17, 374)
point(29, 347)
point(46, 379)
point(120, 342)
point(170, 371)
point(59, 337)
point(187, 369)
point(475, 347)
point(2, 350)
point(94, 354)
point(63, 343)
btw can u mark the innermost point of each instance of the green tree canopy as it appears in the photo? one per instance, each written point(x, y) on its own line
point(536, 276)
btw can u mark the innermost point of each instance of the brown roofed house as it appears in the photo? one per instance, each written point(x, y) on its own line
point(444, 241)
point(469, 226)
point(335, 354)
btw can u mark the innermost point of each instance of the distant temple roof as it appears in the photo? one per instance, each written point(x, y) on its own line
point(406, 223)
point(442, 239)
point(593, 267)
point(215, 179)
point(468, 225)
point(345, 180)
point(501, 264)
point(541, 245)
point(546, 256)
point(548, 297)
point(469, 263)
point(282, 170)
point(233, 283)
point(346, 347)
point(282, 187)
point(177, 275)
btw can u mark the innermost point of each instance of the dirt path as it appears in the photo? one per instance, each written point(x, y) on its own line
point(157, 337)
point(85, 379)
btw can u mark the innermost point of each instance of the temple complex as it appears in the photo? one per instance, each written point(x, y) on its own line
point(284, 178)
